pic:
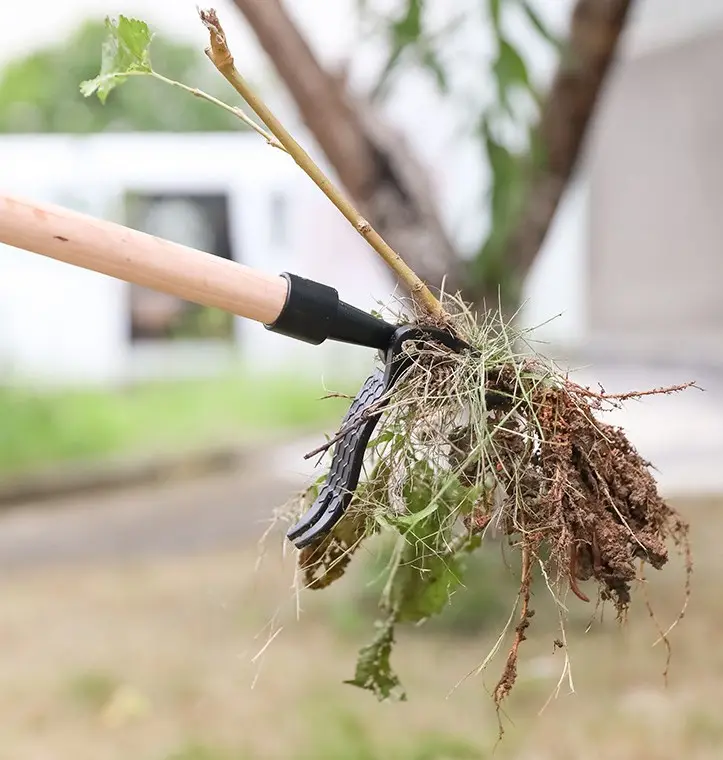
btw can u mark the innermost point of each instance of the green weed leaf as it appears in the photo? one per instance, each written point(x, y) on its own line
point(425, 575)
point(373, 669)
point(126, 49)
point(422, 586)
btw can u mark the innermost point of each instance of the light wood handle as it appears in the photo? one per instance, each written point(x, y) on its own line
point(142, 259)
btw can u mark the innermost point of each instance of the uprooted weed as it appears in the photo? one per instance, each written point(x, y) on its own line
point(498, 440)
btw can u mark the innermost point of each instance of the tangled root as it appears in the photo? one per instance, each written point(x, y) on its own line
point(584, 494)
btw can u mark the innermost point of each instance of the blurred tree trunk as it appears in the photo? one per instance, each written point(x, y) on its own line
point(595, 32)
point(391, 187)
point(374, 163)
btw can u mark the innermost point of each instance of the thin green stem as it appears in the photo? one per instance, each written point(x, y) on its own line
point(237, 112)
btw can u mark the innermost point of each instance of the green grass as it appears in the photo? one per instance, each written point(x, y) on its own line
point(342, 735)
point(91, 688)
point(44, 428)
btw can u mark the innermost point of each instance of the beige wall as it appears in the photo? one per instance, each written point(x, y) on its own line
point(655, 270)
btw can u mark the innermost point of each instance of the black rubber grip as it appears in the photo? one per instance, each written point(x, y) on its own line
point(310, 310)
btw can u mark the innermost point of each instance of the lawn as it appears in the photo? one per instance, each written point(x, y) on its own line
point(40, 429)
point(155, 661)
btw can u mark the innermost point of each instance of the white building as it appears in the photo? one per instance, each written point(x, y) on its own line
point(636, 256)
point(632, 264)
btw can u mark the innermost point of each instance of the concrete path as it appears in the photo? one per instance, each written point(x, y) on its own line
point(222, 511)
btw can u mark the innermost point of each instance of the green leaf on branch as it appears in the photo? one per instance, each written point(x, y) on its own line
point(507, 181)
point(510, 72)
point(405, 33)
point(373, 669)
point(408, 28)
point(493, 7)
point(508, 184)
point(431, 62)
point(126, 50)
point(536, 21)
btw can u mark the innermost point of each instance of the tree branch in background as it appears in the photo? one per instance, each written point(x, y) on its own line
point(374, 163)
point(376, 166)
point(595, 33)
point(221, 57)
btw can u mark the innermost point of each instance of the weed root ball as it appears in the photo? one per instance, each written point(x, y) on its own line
point(497, 439)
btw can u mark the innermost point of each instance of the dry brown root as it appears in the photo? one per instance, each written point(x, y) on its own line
point(509, 673)
point(585, 494)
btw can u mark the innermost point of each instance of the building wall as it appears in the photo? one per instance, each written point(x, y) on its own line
point(555, 306)
point(656, 189)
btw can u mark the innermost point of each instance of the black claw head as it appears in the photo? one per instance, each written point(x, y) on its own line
point(336, 493)
point(359, 423)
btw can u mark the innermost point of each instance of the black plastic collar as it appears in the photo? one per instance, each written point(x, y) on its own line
point(313, 312)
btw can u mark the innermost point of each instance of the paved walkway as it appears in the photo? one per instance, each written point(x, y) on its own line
point(216, 512)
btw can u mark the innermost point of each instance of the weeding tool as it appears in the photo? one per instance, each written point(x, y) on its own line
point(287, 304)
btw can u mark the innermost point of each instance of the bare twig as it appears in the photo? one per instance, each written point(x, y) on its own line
point(602, 396)
point(324, 447)
point(221, 57)
point(197, 93)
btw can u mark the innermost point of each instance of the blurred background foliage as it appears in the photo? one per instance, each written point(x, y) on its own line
point(503, 126)
point(39, 92)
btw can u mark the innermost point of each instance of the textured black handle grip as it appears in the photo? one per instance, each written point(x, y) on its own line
point(336, 493)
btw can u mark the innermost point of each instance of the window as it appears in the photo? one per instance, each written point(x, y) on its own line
point(198, 221)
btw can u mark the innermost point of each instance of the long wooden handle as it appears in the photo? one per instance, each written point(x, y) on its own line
point(142, 259)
